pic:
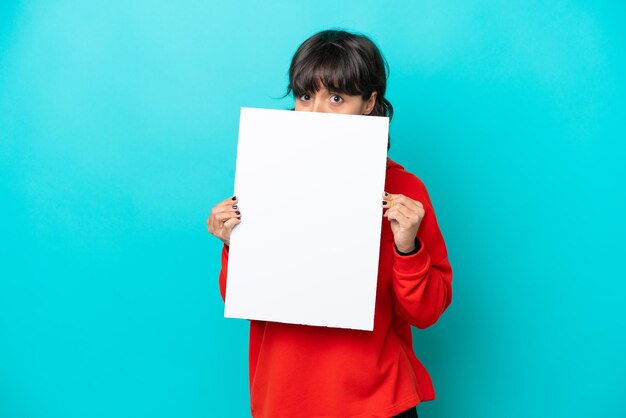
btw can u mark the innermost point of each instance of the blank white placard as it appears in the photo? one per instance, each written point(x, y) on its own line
point(310, 189)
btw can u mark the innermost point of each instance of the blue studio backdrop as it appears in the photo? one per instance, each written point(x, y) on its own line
point(118, 132)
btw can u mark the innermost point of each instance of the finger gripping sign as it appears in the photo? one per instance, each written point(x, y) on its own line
point(307, 250)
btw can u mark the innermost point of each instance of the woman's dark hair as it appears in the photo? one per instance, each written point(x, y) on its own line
point(343, 62)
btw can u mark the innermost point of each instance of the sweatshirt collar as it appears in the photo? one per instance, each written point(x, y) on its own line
point(393, 164)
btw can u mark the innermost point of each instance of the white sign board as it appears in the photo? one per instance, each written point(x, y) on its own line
point(310, 189)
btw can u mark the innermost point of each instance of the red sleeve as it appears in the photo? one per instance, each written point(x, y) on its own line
point(422, 282)
point(224, 272)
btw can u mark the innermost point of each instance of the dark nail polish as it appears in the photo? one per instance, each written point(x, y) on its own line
point(238, 217)
point(234, 206)
point(238, 213)
point(386, 194)
point(384, 202)
point(234, 198)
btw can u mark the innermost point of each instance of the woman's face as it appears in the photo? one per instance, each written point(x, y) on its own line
point(327, 101)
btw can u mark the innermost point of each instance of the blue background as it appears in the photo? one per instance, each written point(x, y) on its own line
point(118, 129)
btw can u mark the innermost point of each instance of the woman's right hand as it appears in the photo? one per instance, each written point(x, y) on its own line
point(223, 218)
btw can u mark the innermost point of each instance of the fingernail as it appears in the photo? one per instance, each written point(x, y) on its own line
point(234, 206)
point(384, 202)
point(238, 217)
point(386, 194)
point(234, 198)
point(238, 213)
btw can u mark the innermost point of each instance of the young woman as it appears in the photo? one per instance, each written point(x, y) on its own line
point(307, 371)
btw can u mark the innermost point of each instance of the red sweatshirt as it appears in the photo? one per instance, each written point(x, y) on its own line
point(310, 371)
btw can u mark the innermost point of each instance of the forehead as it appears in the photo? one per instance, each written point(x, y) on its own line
point(321, 87)
point(322, 90)
point(337, 76)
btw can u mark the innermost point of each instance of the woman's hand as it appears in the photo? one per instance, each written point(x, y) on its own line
point(405, 216)
point(223, 218)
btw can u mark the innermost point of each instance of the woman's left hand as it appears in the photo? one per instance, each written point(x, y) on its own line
point(405, 216)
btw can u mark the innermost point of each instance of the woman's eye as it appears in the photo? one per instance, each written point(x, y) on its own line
point(305, 97)
point(336, 99)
